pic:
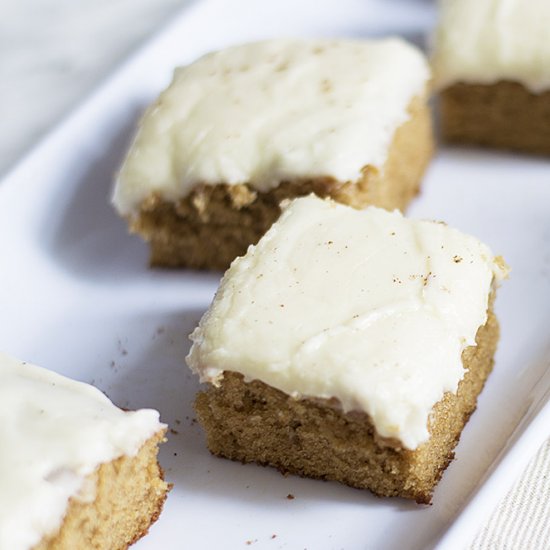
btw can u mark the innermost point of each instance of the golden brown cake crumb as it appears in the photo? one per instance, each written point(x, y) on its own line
point(130, 493)
point(505, 115)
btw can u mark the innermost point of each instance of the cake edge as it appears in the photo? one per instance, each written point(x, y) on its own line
point(78, 512)
point(504, 115)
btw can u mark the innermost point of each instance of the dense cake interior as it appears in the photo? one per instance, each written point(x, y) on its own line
point(129, 494)
point(506, 115)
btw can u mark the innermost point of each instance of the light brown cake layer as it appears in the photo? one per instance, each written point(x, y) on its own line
point(130, 493)
point(505, 115)
point(213, 225)
point(253, 422)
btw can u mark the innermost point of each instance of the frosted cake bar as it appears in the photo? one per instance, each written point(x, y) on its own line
point(75, 471)
point(243, 128)
point(349, 345)
point(492, 67)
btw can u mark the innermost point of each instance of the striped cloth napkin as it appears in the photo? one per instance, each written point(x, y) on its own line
point(522, 519)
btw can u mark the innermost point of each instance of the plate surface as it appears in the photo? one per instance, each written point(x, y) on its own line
point(76, 296)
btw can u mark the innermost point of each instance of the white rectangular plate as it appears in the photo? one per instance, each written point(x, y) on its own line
point(76, 296)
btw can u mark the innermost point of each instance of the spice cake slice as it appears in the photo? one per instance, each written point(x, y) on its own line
point(492, 66)
point(242, 129)
point(75, 471)
point(349, 345)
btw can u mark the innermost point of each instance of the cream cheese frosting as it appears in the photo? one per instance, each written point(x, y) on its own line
point(54, 432)
point(368, 307)
point(484, 42)
point(271, 111)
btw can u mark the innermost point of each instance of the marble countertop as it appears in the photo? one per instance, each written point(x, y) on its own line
point(55, 52)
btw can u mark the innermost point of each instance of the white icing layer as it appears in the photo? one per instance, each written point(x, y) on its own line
point(491, 40)
point(366, 306)
point(53, 433)
point(269, 111)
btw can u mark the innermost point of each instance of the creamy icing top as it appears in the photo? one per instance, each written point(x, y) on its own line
point(491, 40)
point(366, 306)
point(269, 111)
point(53, 433)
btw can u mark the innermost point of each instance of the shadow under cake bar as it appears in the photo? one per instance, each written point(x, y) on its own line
point(241, 129)
point(349, 345)
point(76, 471)
point(492, 65)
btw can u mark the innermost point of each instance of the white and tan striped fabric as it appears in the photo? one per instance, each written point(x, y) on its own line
point(522, 520)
